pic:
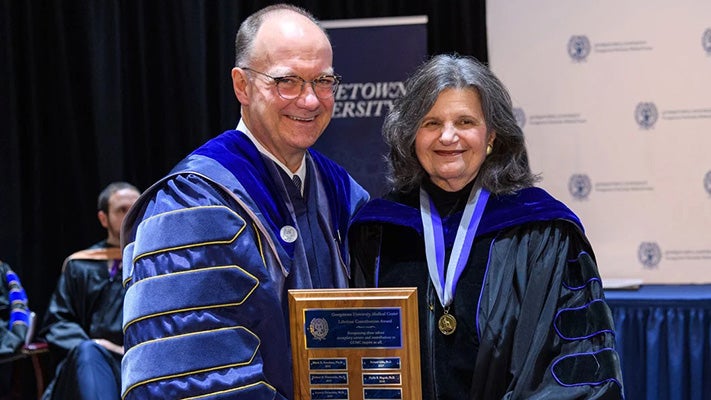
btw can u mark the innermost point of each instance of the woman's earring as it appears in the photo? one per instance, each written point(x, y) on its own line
point(489, 149)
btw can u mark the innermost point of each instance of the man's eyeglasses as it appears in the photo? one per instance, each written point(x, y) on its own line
point(291, 86)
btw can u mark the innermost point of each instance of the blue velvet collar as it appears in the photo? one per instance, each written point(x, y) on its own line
point(527, 205)
point(236, 152)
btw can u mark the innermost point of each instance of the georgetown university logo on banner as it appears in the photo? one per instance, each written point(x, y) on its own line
point(579, 186)
point(707, 182)
point(706, 41)
point(520, 116)
point(578, 48)
point(649, 254)
point(375, 56)
point(646, 115)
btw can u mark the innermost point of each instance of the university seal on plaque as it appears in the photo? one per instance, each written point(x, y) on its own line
point(319, 328)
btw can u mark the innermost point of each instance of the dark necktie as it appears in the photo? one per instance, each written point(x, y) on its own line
point(297, 182)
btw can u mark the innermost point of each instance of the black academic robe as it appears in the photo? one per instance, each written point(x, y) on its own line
point(86, 304)
point(531, 318)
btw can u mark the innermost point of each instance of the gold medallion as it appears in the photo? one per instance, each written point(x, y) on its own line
point(447, 324)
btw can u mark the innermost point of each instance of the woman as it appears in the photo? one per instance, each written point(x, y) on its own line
point(511, 304)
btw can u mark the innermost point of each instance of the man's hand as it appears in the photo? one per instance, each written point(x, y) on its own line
point(109, 346)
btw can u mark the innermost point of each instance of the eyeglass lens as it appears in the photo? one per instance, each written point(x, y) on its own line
point(291, 87)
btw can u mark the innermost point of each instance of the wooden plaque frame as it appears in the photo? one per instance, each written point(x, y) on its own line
point(363, 371)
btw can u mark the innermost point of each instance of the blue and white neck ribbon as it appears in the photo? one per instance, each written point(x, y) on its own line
point(434, 241)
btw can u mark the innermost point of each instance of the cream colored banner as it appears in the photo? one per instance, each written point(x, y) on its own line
point(615, 100)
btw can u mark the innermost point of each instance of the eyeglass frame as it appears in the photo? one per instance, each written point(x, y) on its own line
point(279, 79)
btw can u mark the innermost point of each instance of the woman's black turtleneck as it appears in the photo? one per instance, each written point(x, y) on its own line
point(446, 202)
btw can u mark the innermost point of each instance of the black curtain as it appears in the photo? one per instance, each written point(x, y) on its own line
point(97, 91)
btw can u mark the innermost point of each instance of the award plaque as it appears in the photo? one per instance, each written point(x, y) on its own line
point(355, 344)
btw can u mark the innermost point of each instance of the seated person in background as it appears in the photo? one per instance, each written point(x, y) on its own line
point(511, 304)
point(83, 322)
point(14, 320)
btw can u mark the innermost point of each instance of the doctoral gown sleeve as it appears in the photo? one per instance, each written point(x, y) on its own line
point(201, 312)
point(548, 329)
point(14, 311)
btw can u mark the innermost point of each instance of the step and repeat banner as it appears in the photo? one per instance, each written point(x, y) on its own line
point(615, 101)
point(374, 56)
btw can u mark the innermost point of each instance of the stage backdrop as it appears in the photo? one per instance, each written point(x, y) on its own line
point(615, 100)
point(374, 56)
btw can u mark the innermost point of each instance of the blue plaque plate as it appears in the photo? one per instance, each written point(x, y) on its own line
point(380, 363)
point(328, 379)
point(381, 379)
point(382, 394)
point(329, 394)
point(321, 364)
point(378, 328)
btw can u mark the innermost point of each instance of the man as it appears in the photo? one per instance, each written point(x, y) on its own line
point(215, 245)
point(85, 314)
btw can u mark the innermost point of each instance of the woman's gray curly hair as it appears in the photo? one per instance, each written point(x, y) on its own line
point(505, 170)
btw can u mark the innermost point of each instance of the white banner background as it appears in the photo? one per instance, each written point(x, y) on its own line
point(615, 101)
